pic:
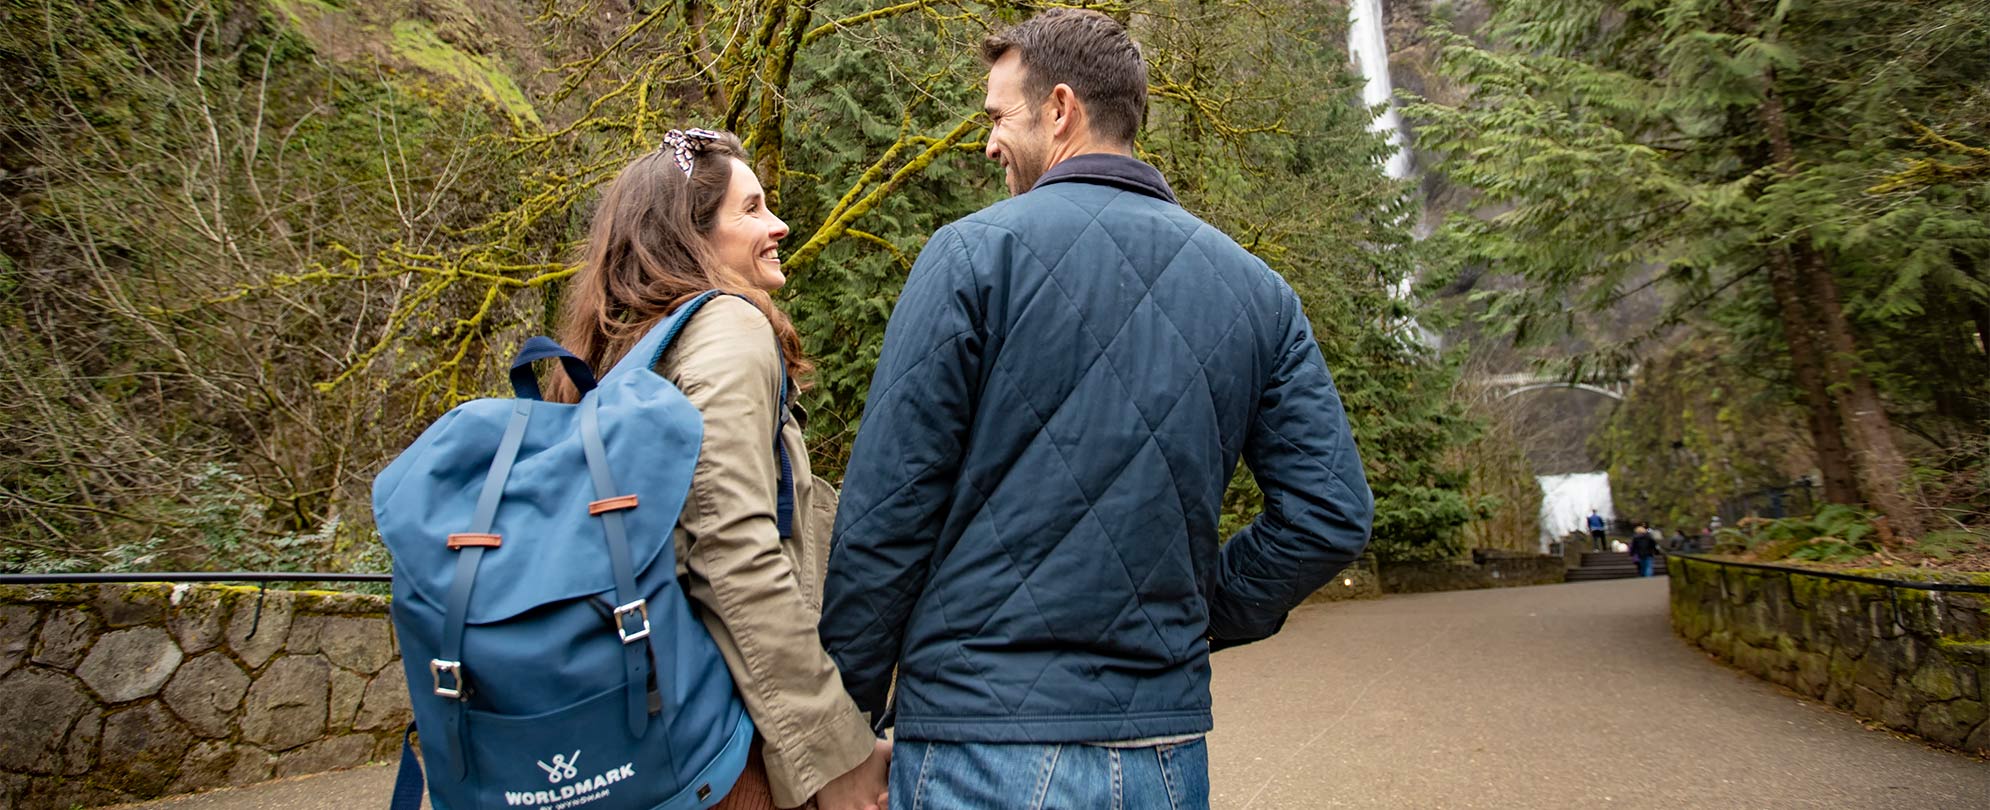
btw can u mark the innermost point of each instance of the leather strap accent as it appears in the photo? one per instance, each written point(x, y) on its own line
point(461, 539)
point(611, 504)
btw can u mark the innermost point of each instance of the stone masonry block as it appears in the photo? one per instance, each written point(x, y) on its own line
point(128, 605)
point(304, 632)
point(1867, 703)
point(130, 664)
point(17, 635)
point(206, 692)
point(326, 755)
point(1887, 618)
point(347, 690)
point(1979, 740)
point(341, 603)
point(1950, 723)
point(218, 763)
point(1874, 673)
point(287, 705)
point(13, 789)
point(197, 619)
point(65, 638)
point(142, 749)
point(386, 702)
point(359, 644)
point(1813, 674)
point(79, 754)
point(35, 718)
point(1803, 591)
point(254, 639)
point(1938, 680)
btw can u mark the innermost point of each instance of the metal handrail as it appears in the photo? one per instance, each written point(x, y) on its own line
point(1908, 584)
point(190, 576)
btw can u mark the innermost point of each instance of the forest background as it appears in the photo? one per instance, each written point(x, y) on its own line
point(250, 248)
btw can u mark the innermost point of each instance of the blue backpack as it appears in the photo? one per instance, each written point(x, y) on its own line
point(552, 658)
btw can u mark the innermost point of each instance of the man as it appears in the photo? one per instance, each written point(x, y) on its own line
point(1028, 529)
point(1596, 531)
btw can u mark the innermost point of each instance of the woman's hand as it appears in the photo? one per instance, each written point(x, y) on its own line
point(865, 787)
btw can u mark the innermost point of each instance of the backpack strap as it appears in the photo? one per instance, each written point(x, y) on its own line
point(408, 780)
point(449, 663)
point(784, 511)
point(631, 614)
point(651, 348)
point(526, 386)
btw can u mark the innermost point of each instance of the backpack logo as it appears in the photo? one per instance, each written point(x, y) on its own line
point(562, 767)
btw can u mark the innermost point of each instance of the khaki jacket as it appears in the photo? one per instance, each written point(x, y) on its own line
point(761, 595)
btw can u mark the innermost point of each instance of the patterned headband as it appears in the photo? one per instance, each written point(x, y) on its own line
point(684, 143)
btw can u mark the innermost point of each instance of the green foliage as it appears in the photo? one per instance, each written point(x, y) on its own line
point(1618, 145)
point(260, 246)
point(1841, 534)
point(1696, 427)
point(1837, 533)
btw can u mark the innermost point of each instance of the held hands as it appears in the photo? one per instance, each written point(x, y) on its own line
point(864, 787)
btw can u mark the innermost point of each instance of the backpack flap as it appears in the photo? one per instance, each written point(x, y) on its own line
point(548, 549)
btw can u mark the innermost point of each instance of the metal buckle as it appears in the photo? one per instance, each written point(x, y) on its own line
point(437, 667)
point(640, 606)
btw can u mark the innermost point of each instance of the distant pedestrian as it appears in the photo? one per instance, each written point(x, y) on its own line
point(1596, 526)
point(1678, 541)
point(1644, 548)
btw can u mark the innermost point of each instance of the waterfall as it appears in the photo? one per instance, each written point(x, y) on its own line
point(1365, 41)
point(1566, 501)
point(1369, 47)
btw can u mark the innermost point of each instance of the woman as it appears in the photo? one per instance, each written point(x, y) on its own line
point(685, 219)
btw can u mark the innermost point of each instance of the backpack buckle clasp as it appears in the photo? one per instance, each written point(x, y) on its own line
point(641, 607)
point(437, 668)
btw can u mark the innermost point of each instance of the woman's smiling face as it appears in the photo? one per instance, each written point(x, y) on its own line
point(746, 235)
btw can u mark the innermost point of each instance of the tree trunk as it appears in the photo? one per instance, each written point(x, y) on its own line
point(1880, 466)
point(1827, 438)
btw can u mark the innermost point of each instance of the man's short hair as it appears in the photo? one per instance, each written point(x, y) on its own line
point(1090, 52)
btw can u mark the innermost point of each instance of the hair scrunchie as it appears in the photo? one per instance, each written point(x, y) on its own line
point(683, 143)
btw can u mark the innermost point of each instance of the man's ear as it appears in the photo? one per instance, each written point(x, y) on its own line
point(1065, 111)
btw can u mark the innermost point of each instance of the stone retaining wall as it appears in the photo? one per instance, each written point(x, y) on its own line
point(115, 693)
point(1357, 581)
point(1492, 571)
point(1915, 660)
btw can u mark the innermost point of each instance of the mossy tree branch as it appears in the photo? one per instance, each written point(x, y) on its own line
point(838, 226)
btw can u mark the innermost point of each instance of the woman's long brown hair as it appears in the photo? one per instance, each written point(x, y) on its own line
point(647, 254)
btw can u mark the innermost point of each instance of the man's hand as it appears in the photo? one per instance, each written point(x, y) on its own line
point(864, 787)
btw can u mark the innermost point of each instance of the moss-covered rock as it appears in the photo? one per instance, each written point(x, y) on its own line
point(1950, 723)
point(1910, 659)
point(1937, 680)
point(1813, 674)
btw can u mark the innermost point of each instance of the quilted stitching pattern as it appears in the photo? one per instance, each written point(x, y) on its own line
point(1068, 381)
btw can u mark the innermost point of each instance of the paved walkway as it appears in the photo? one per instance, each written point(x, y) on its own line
point(1573, 696)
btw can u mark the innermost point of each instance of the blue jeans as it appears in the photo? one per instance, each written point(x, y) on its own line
point(1031, 776)
point(1644, 566)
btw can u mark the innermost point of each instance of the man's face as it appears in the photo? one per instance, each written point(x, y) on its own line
point(1018, 131)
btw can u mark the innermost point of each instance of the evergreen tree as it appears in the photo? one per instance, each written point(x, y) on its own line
point(1722, 147)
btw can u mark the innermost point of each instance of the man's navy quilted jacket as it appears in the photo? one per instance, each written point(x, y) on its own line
point(1028, 526)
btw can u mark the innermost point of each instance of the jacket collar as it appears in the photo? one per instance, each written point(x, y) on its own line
point(1118, 171)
